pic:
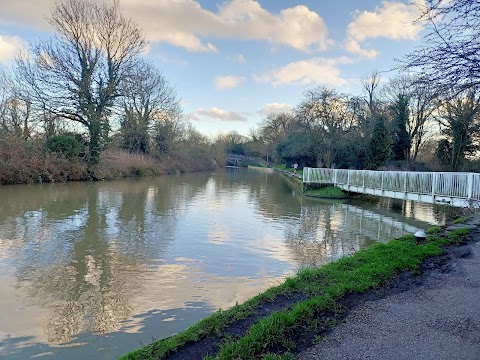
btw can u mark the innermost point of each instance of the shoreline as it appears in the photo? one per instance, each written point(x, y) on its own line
point(292, 317)
point(429, 316)
point(113, 165)
point(328, 192)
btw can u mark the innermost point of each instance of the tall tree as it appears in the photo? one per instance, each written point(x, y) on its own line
point(401, 140)
point(370, 85)
point(423, 102)
point(15, 112)
point(450, 54)
point(149, 102)
point(276, 126)
point(77, 74)
point(379, 149)
point(460, 119)
point(327, 117)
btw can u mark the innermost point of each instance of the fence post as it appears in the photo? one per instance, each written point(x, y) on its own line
point(434, 185)
point(470, 186)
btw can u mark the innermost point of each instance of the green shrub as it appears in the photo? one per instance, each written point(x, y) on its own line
point(68, 145)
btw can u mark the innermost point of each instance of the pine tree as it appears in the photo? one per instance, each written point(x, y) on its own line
point(380, 146)
point(400, 137)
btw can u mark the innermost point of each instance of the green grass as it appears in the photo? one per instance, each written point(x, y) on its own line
point(325, 286)
point(329, 192)
point(460, 220)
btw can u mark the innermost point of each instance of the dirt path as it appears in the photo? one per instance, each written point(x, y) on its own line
point(436, 317)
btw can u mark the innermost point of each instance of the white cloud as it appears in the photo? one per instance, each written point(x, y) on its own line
point(184, 23)
point(297, 27)
point(315, 70)
point(390, 20)
point(275, 108)
point(217, 114)
point(228, 82)
point(9, 46)
point(354, 47)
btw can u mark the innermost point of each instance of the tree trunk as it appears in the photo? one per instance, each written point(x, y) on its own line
point(94, 144)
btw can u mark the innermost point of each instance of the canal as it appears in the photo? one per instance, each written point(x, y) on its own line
point(94, 270)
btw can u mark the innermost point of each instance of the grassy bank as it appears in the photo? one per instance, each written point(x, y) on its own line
point(326, 192)
point(278, 321)
point(323, 192)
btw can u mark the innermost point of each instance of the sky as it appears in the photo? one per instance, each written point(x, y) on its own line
point(234, 61)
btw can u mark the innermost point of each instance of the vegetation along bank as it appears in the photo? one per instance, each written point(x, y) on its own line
point(288, 318)
point(88, 114)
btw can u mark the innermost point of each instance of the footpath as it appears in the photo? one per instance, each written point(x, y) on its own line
point(437, 316)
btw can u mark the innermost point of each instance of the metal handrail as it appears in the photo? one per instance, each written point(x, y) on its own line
point(449, 184)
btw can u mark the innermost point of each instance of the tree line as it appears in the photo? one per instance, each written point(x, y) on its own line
point(88, 89)
point(390, 125)
point(74, 88)
point(426, 117)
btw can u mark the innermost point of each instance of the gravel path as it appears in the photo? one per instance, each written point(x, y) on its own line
point(439, 319)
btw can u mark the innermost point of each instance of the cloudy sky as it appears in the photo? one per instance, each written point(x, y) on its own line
point(232, 61)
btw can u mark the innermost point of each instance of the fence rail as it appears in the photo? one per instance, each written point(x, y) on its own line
point(457, 189)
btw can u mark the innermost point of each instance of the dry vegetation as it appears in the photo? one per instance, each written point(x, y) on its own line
point(29, 162)
point(22, 162)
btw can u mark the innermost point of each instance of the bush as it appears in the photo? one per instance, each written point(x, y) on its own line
point(68, 145)
point(24, 162)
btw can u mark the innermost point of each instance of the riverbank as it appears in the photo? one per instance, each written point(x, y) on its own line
point(291, 317)
point(324, 191)
point(433, 316)
point(21, 164)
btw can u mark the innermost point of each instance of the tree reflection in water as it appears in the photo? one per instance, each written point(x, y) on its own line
point(109, 233)
point(104, 258)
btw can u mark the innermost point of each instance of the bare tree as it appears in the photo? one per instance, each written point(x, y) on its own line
point(460, 119)
point(423, 101)
point(370, 84)
point(450, 54)
point(327, 116)
point(77, 74)
point(170, 131)
point(15, 112)
point(4, 97)
point(276, 126)
point(148, 101)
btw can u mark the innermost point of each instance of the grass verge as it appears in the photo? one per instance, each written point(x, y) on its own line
point(275, 336)
point(327, 192)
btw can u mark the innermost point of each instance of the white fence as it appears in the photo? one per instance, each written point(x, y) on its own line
point(456, 189)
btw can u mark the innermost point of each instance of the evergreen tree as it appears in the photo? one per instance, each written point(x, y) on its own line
point(380, 146)
point(401, 141)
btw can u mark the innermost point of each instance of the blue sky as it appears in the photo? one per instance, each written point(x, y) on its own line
point(233, 61)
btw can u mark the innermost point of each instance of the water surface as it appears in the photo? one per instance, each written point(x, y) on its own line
point(94, 270)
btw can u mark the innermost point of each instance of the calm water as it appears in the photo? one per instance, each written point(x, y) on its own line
point(93, 270)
